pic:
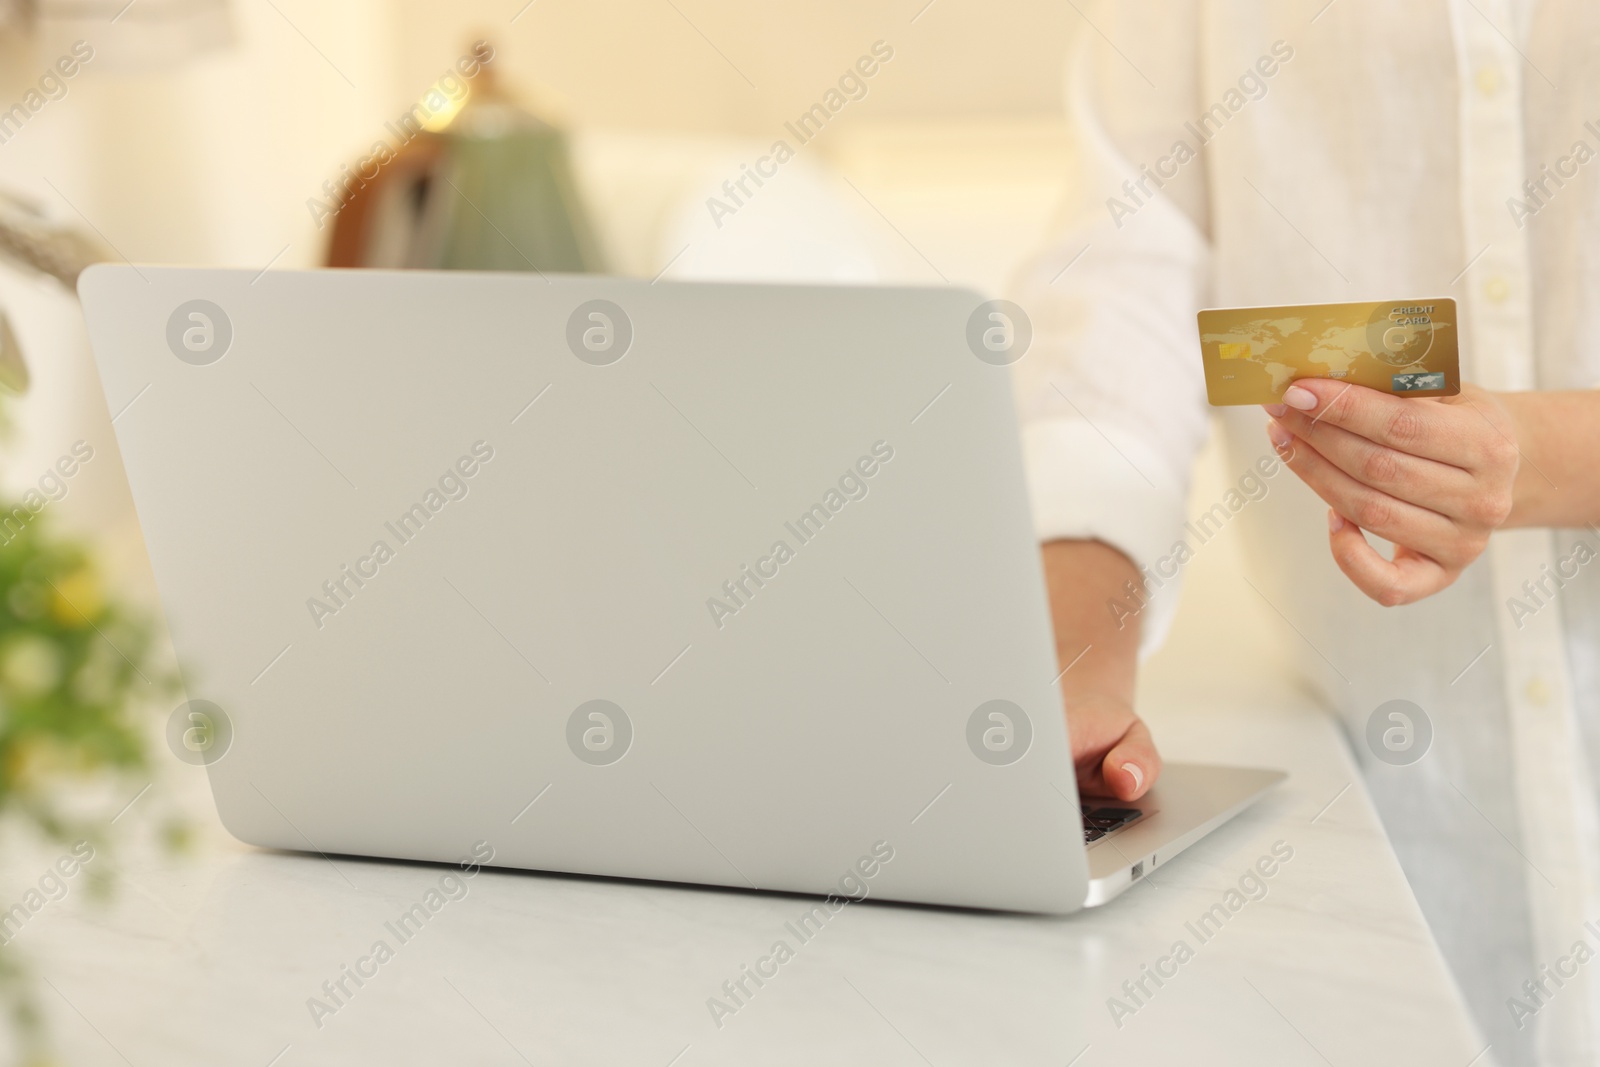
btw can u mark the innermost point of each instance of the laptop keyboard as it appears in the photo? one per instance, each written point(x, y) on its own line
point(1099, 822)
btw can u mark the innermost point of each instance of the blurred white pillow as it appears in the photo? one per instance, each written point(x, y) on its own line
point(649, 195)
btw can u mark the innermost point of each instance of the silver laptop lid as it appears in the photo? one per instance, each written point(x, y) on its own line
point(728, 584)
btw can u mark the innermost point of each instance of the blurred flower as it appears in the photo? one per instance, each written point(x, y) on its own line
point(27, 600)
point(78, 598)
point(30, 666)
point(75, 668)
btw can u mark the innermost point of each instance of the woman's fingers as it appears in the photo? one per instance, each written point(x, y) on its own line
point(1425, 532)
point(1448, 433)
point(1131, 767)
point(1435, 477)
point(1405, 580)
point(1436, 486)
point(1112, 749)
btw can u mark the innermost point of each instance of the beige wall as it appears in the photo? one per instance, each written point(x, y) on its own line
point(651, 64)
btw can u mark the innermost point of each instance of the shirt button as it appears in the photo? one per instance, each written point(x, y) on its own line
point(1488, 79)
point(1537, 692)
point(1497, 289)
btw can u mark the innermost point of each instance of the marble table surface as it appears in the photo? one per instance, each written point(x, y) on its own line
point(220, 955)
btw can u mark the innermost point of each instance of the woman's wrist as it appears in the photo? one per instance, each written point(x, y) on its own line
point(1528, 491)
point(1558, 438)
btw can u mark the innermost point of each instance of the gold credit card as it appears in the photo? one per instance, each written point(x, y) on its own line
point(1404, 347)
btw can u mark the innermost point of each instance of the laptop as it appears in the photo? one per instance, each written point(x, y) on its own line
point(723, 584)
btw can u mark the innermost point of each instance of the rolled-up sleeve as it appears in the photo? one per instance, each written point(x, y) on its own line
point(1111, 395)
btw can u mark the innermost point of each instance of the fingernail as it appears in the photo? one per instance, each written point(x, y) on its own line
point(1277, 411)
point(1302, 399)
point(1138, 775)
point(1335, 521)
point(1279, 437)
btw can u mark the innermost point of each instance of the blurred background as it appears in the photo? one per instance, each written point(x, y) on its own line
point(200, 133)
point(211, 132)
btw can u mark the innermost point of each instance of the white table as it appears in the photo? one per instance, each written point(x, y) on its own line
point(211, 959)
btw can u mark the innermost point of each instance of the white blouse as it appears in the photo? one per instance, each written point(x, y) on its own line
point(1241, 152)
